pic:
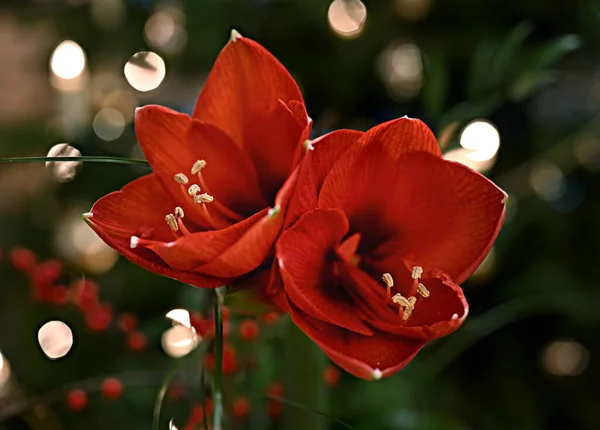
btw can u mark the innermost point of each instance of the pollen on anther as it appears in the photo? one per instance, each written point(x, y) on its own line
point(203, 198)
point(399, 299)
point(172, 222)
point(198, 165)
point(388, 280)
point(194, 189)
point(180, 178)
point(133, 242)
point(179, 212)
point(417, 272)
point(422, 290)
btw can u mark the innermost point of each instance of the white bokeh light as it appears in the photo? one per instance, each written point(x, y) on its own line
point(68, 60)
point(109, 124)
point(55, 339)
point(482, 139)
point(4, 373)
point(63, 171)
point(347, 17)
point(180, 316)
point(145, 71)
point(179, 341)
point(565, 358)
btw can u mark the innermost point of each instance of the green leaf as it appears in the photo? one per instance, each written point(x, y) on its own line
point(479, 69)
point(435, 90)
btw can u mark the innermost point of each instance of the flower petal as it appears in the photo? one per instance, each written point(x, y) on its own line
point(247, 94)
point(304, 253)
point(139, 210)
point(314, 168)
point(367, 357)
point(438, 213)
point(403, 135)
point(173, 142)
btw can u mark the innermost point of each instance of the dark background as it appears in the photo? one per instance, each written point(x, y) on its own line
point(527, 356)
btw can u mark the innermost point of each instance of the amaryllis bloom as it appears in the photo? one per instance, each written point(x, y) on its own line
point(214, 204)
point(385, 231)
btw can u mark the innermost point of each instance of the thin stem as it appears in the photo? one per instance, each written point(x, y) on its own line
point(218, 375)
point(88, 159)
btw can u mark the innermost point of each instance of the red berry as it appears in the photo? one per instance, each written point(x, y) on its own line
point(275, 389)
point(136, 341)
point(60, 295)
point(112, 388)
point(249, 330)
point(98, 319)
point(77, 400)
point(331, 375)
point(225, 313)
point(127, 322)
point(274, 409)
point(23, 259)
point(49, 270)
point(229, 364)
point(85, 294)
point(270, 318)
point(241, 407)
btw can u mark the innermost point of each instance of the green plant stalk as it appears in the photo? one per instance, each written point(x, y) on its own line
point(88, 159)
point(304, 382)
point(217, 382)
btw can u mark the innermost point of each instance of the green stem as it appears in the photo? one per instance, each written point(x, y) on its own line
point(304, 384)
point(218, 375)
point(88, 159)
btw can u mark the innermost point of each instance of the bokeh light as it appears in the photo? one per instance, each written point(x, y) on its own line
point(109, 124)
point(63, 171)
point(125, 102)
point(481, 138)
point(462, 155)
point(4, 373)
point(401, 68)
point(347, 17)
point(77, 243)
point(179, 341)
point(547, 180)
point(68, 60)
point(565, 358)
point(165, 30)
point(587, 151)
point(180, 316)
point(55, 339)
point(145, 71)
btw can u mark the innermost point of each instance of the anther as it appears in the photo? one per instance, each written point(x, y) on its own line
point(399, 299)
point(198, 165)
point(408, 310)
point(422, 290)
point(203, 198)
point(389, 282)
point(179, 212)
point(417, 272)
point(194, 189)
point(180, 178)
point(172, 222)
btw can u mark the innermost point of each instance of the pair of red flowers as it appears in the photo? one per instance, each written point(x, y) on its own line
point(362, 237)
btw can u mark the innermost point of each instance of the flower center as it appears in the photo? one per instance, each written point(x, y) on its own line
point(406, 305)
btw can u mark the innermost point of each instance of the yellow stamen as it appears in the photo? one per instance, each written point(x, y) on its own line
point(180, 178)
point(172, 222)
point(194, 189)
point(417, 272)
point(198, 165)
point(179, 212)
point(389, 282)
point(399, 299)
point(203, 198)
point(408, 309)
point(422, 290)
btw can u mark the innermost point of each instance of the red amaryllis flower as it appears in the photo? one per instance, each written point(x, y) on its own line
point(386, 230)
point(213, 206)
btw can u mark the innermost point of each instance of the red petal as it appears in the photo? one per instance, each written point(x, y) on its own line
point(139, 210)
point(247, 94)
point(403, 135)
point(304, 254)
point(229, 252)
point(437, 213)
point(314, 168)
point(360, 355)
point(173, 142)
